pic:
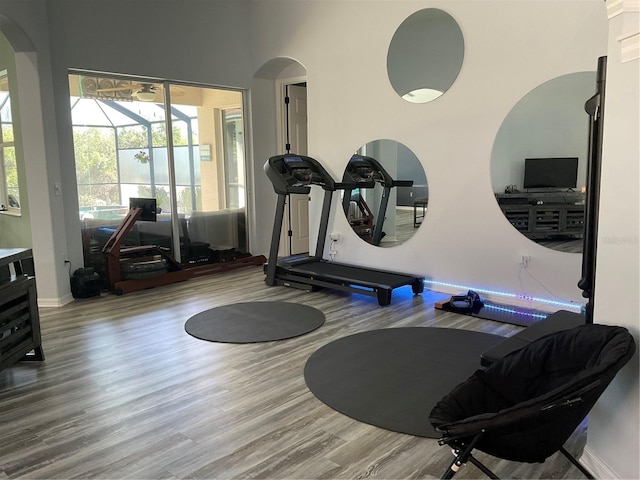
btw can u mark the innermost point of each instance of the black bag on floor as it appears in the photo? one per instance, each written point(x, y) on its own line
point(469, 302)
point(85, 283)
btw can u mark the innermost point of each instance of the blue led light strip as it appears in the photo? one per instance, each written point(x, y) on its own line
point(514, 311)
point(574, 306)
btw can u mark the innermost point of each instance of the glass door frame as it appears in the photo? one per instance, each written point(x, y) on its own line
point(173, 186)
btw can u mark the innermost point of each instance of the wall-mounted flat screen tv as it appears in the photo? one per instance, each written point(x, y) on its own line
point(558, 172)
point(148, 206)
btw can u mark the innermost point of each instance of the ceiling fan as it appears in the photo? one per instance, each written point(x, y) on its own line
point(124, 90)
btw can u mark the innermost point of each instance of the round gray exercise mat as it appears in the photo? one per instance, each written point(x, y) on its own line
point(253, 322)
point(392, 378)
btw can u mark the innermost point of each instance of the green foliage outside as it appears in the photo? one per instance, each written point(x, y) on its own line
point(97, 167)
point(136, 137)
point(8, 155)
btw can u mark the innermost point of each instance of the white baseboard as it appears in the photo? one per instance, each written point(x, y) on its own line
point(54, 302)
point(597, 466)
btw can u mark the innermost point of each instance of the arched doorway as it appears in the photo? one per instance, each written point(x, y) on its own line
point(290, 80)
point(40, 181)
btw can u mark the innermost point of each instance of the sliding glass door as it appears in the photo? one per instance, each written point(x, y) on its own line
point(180, 144)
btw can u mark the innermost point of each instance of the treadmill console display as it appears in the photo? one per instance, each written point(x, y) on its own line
point(293, 160)
point(295, 173)
point(360, 170)
point(366, 169)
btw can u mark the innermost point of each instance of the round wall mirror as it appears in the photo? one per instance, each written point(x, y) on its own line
point(388, 196)
point(425, 55)
point(539, 162)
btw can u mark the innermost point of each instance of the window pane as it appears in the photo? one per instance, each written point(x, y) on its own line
point(180, 133)
point(133, 137)
point(7, 133)
point(100, 201)
point(10, 167)
point(136, 165)
point(11, 173)
point(88, 113)
point(96, 164)
point(233, 158)
point(9, 190)
point(159, 135)
point(5, 108)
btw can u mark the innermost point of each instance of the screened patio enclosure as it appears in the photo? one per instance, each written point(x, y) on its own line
point(184, 147)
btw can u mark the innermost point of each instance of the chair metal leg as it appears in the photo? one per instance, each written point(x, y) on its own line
point(578, 465)
point(461, 457)
point(449, 473)
point(481, 466)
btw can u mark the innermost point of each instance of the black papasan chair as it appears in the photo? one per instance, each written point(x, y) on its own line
point(525, 406)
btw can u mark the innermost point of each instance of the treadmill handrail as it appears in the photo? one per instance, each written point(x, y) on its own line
point(402, 183)
point(353, 185)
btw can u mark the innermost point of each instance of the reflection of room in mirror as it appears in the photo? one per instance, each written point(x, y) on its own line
point(388, 179)
point(422, 95)
point(539, 162)
point(425, 55)
point(404, 227)
point(568, 244)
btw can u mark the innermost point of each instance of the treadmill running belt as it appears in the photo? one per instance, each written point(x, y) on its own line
point(353, 274)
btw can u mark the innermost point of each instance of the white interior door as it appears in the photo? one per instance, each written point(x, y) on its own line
point(298, 118)
point(297, 215)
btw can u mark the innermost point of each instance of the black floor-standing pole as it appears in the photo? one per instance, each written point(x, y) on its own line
point(595, 108)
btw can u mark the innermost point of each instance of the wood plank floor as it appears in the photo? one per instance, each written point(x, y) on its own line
point(126, 393)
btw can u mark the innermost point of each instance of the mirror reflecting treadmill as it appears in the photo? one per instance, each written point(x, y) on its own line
point(362, 171)
point(292, 173)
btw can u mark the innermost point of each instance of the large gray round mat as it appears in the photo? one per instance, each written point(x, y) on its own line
point(254, 322)
point(392, 378)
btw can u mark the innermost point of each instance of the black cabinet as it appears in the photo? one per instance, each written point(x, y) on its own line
point(544, 215)
point(19, 318)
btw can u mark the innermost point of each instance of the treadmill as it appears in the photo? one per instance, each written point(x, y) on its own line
point(292, 173)
point(361, 170)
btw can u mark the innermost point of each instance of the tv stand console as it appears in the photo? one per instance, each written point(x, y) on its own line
point(544, 214)
point(19, 318)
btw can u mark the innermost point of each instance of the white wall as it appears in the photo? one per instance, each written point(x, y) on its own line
point(510, 48)
point(614, 424)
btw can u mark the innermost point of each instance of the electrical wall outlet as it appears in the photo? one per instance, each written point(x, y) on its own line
point(334, 243)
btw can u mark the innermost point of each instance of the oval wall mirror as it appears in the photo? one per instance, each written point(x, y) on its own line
point(425, 55)
point(389, 197)
point(539, 162)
